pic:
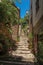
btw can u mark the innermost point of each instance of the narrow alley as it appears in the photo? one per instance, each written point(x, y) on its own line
point(21, 32)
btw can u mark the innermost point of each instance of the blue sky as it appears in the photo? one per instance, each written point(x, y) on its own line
point(24, 6)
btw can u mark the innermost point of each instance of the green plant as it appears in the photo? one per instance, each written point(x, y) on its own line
point(30, 36)
point(40, 46)
point(8, 13)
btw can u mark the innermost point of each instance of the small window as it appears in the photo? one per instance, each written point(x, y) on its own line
point(37, 5)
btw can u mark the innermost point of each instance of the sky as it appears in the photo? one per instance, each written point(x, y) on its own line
point(23, 6)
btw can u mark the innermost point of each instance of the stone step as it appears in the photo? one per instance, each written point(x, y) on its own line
point(16, 63)
point(22, 52)
point(23, 48)
point(29, 59)
point(23, 45)
point(26, 56)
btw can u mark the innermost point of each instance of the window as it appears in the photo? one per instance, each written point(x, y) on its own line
point(37, 5)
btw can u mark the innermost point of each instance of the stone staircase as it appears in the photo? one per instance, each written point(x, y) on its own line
point(23, 50)
point(22, 56)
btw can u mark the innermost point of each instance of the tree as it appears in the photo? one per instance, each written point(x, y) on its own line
point(8, 17)
point(11, 1)
point(7, 13)
point(24, 21)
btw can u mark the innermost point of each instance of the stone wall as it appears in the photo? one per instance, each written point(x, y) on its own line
point(14, 32)
point(38, 15)
point(15, 28)
point(37, 22)
point(38, 29)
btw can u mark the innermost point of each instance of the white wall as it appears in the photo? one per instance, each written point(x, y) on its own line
point(37, 16)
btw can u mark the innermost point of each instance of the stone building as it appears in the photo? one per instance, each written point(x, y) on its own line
point(36, 26)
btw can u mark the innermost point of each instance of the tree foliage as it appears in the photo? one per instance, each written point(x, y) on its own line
point(11, 1)
point(8, 16)
point(24, 21)
point(8, 13)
